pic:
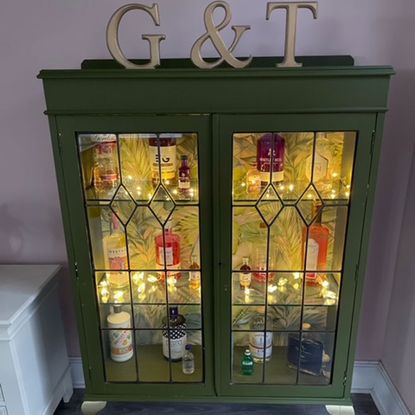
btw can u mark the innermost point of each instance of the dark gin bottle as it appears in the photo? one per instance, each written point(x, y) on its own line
point(174, 335)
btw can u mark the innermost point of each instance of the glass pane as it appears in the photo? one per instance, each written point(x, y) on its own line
point(119, 356)
point(142, 202)
point(289, 221)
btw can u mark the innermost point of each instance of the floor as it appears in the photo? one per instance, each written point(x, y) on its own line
point(363, 405)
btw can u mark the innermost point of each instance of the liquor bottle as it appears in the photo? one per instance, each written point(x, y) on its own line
point(174, 334)
point(245, 276)
point(253, 180)
point(259, 339)
point(247, 363)
point(168, 248)
point(106, 172)
point(184, 178)
point(188, 362)
point(194, 276)
point(317, 246)
point(121, 342)
point(270, 145)
point(163, 156)
point(115, 255)
point(260, 256)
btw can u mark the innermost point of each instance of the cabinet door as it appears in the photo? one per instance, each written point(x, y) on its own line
point(137, 189)
point(292, 191)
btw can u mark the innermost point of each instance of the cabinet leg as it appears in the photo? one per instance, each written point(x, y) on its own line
point(92, 407)
point(340, 410)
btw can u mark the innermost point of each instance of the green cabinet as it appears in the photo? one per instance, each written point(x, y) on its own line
point(239, 199)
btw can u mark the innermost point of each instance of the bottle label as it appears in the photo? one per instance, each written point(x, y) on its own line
point(117, 258)
point(121, 344)
point(167, 161)
point(169, 256)
point(106, 149)
point(178, 340)
point(184, 183)
point(256, 345)
point(313, 249)
point(245, 278)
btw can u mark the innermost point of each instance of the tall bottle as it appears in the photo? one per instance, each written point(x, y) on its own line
point(194, 274)
point(260, 255)
point(317, 246)
point(174, 334)
point(260, 340)
point(184, 178)
point(115, 255)
point(245, 275)
point(106, 172)
point(163, 156)
point(168, 248)
point(121, 342)
point(271, 146)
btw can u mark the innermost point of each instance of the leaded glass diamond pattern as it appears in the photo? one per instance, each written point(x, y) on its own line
point(162, 204)
point(310, 204)
point(122, 204)
point(269, 205)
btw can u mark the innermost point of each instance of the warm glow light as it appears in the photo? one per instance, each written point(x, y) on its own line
point(129, 177)
point(282, 282)
point(167, 181)
point(138, 188)
point(149, 195)
point(296, 286)
point(118, 296)
point(272, 288)
point(243, 184)
point(175, 192)
point(347, 194)
point(291, 187)
point(171, 280)
point(310, 195)
point(281, 187)
point(334, 174)
point(247, 292)
point(325, 284)
point(151, 279)
point(141, 288)
point(105, 295)
point(138, 277)
point(296, 275)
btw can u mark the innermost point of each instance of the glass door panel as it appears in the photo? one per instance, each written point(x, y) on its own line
point(290, 207)
point(141, 196)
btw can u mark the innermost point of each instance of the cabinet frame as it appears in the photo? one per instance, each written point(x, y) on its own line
point(111, 99)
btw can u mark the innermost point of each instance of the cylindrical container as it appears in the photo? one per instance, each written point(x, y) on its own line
point(174, 333)
point(259, 340)
point(121, 341)
point(270, 152)
point(163, 156)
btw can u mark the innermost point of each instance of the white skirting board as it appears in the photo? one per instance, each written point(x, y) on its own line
point(368, 377)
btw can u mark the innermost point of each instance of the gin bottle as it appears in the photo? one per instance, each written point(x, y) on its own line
point(184, 178)
point(120, 340)
point(188, 362)
point(260, 339)
point(174, 335)
point(194, 274)
point(245, 275)
point(106, 174)
point(247, 363)
point(270, 158)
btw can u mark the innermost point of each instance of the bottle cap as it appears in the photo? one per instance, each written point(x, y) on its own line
point(247, 352)
point(183, 157)
point(188, 347)
point(174, 311)
point(117, 308)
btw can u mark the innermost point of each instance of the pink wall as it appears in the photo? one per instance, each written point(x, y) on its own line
point(60, 34)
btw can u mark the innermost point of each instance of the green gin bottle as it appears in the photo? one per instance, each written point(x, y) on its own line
point(247, 364)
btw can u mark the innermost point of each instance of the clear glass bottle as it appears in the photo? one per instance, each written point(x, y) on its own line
point(168, 248)
point(174, 335)
point(247, 363)
point(317, 247)
point(184, 178)
point(260, 255)
point(115, 255)
point(245, 276)
point(106, 172)
point(188, 361)
point(194, 276)
point(260, 339)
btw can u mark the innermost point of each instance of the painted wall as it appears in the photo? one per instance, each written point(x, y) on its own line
point(60, 34)
point(398, 352)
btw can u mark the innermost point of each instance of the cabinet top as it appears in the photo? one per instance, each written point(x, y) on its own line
point(20, 287)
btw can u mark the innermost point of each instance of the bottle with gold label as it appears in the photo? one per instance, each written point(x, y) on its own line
point(163, 156)
point(194, 274)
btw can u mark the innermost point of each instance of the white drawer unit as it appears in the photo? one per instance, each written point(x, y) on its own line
point(35, 372)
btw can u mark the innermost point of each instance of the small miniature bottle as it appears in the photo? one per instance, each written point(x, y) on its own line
point(245, 276)
point(188, 362)
point(163, 156)
point(115, 255)
point(194, 276)
point(317, 247)
point(258, 340)
point(271, 146)
point(184, 178)
point(121, 342)
point(106, 172)
point(174, 334)
point(247, 363)
point(168, 248)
